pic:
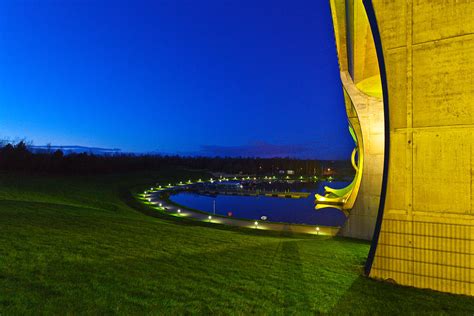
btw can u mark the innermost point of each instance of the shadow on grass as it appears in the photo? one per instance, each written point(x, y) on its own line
point(368, 296)
point(292, 269)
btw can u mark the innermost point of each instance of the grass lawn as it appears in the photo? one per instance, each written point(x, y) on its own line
point(75, 245)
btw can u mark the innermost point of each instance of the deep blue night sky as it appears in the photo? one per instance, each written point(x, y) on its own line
point(209, 77)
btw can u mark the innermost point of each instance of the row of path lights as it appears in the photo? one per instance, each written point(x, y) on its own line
point(146, 192)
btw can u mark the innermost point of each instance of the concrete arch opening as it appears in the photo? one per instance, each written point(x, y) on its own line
point(362, 88)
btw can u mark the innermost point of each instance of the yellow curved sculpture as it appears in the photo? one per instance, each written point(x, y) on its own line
point(344, 198)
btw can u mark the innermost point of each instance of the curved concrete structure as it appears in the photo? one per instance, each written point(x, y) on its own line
point(363, 98)
point(424, 233)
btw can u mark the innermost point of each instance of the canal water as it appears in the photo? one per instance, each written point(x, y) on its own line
point(286, 210)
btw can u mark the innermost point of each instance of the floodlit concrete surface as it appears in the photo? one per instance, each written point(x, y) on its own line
point(427, 233)
point(364, 107)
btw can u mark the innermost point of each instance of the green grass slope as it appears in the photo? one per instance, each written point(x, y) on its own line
point(75, 246)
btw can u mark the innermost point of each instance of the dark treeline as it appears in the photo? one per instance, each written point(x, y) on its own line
point(18, 157)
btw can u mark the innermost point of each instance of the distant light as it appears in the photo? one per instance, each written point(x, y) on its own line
point(179, 211)
point(256, 223)
point(149, 200)
point(161, 204)
point(263, 218)
point(209, 217)
point(317, 228)
point(169, 184)
point(159, 187)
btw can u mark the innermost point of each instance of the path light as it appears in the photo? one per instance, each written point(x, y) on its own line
point(256, 224)
point(159, 187)
point(149, 200)
point(317, 230)
point(161, 204)
point(209, 217)
point(179, 211)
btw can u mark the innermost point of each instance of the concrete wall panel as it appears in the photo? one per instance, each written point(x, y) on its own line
point(392, 26)
point(441, 170)
point(438, 19)
point(427, 230)
point(397, 184)
point(428, 220)
point(397, 84)
point(443, 73)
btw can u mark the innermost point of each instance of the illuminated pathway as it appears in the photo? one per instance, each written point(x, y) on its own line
point(153, 198)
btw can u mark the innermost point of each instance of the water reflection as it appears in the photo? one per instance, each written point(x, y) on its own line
point(297, 211)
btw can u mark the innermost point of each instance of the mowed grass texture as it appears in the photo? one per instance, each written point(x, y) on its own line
point(81, 245)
